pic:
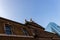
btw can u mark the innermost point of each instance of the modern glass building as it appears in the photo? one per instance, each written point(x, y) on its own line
point(53, 27)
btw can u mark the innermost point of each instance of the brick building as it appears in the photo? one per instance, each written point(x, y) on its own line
point(11, 30)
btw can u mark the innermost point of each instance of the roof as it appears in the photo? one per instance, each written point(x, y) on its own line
point(10, 20)
point(30, 23)
point(34, 24)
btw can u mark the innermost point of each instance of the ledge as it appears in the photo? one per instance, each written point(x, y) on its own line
point(16, 35)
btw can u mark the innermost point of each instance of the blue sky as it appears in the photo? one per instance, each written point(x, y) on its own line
point(41, 11)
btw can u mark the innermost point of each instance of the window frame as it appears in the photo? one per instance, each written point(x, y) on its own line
point(25, 32)
point(5, 31)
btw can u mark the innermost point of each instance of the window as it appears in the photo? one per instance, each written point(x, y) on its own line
point(25, 31)
point(35, 33)
point(8, 29)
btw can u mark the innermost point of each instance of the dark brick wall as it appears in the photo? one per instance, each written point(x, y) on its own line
point(16, 28)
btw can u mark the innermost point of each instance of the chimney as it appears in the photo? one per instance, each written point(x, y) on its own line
point(26, 21)
point(31, 20)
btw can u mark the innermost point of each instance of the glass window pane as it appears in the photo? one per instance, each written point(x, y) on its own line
point(25, 31)
point(8, 29)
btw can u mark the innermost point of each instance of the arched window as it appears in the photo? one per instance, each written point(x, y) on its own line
point(35, 33)
point(25, 31)
point(8, 29)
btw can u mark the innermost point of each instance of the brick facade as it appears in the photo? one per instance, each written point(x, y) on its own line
point(28, 31)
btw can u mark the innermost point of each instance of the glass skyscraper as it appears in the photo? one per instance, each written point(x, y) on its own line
point(53, 27)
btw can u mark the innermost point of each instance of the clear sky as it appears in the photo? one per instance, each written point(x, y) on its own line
point(41, 11)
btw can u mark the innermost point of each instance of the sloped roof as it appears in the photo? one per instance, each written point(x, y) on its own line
point(30, 23)
point(34, 24)
point(10, 20)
